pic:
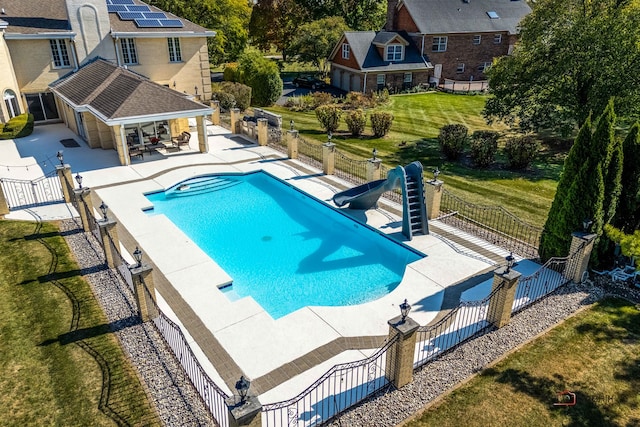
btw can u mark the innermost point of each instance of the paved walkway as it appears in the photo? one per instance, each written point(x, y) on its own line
point(282, 356)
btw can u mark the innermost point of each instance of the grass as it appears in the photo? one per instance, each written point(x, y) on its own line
point(418, 119)
point(595, 354)
point(60, 363)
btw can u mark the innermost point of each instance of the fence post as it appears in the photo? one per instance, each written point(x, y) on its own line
point(235, 120)
point(328, 158)
point(292, 144)
point(399, 364)
point(245, 413)
point(66, 180)
point(108, 234)
point(215, 116)
point(373, 169)
point(505, 282)
point(141, 275)
point(4, 207)
point(263, 135)
point(85, 206)
point(433, 196)
point(581, 257)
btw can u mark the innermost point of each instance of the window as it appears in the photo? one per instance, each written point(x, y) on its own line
point(408, 77)
point(59, 53)
point(484, 66)
point(477, 39)
point(439, 44)
point(11, 102)
point(394, 52)
point(345, 51)
point(497, 38)
point(174, 49)
point(460, 68)
point(380, 79)
point(129, 55)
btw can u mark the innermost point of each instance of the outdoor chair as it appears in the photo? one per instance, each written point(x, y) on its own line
point(135, 152)
point(182, 139)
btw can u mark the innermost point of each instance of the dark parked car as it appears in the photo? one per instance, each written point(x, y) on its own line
point(308, 81)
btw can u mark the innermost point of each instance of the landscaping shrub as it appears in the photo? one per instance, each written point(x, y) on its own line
point(484, 146)
point(262, 75)
point(357, 100)
point(329, 117)
point(226, 100)
point(231, 73)
point(300, 103)
point(322, 98)
point(240, 94)
point(521, 151)
point(381, 122)
point(356, 120)
point(18, 127)
point(380, 97)
point(452, 139)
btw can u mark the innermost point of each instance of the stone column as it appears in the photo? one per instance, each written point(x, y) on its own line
point(85, 206)
point(373, 169)
point(500, 304)
point(292, 144)
point(66, 181)
point(263, 132)
point(215, 116)
point(142, 278)
point(247, 413)
point(203, 143)
point(328, 158)
point(108, 234)
point(579, 257)
point(433, 195)
point(4, 207)
point(399, 364)
point(235, 120)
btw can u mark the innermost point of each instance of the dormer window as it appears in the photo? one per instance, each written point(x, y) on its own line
point(346, 50)
point(395, 53)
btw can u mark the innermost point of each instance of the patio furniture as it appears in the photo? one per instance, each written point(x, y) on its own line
point(136, 152)
point(182, 139)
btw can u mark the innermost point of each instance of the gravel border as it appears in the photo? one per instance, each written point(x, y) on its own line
point(176, 401)
point(394, 407)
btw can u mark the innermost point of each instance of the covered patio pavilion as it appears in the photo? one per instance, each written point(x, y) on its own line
point(112, 107)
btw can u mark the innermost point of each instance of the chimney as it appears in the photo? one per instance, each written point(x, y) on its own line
point(391, 14)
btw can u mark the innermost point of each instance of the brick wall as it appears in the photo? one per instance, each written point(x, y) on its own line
point(395, 81)
point(404, 21)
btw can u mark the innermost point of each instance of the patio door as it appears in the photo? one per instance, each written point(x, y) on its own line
point(80, 125)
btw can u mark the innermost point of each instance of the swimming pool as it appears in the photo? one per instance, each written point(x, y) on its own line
point(281, 246)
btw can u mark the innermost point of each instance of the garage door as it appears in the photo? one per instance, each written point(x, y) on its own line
point(356, 84)
point(335, 79)
point(345, 82)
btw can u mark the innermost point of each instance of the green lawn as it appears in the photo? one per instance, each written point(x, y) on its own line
point(418, 119)
point(60, 364)
point(595, 355)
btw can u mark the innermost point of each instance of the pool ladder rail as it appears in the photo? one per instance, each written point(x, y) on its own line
point(200, 185)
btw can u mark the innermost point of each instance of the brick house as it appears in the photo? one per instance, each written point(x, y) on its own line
point(457, 39)
point(44, 43)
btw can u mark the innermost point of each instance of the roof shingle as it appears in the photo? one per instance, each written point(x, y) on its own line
point(33, 17)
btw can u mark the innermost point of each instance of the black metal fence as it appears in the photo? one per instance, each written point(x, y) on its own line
point(350, 169)
point(491, 223)
point(21, 193)
point(310, 153)
point(341, 387)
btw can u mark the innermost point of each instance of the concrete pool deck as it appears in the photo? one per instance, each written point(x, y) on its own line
point(281, 356)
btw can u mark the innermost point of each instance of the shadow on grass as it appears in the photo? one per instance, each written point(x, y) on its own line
point(93, 331)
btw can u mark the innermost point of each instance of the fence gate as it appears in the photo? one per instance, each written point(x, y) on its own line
point(21, 193)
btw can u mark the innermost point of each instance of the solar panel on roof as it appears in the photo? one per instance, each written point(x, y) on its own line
point(148, 23)
point(111, 8)
point(130, 16)
point(174, 23)
point(138, 8)
point(154, 15)
point(120, 1)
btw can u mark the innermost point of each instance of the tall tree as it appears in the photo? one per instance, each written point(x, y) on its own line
point(315, 41)
point(360, 15)
point(276, 22)
point(628, 214)
point(572, 56)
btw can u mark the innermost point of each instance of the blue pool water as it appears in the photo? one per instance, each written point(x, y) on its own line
point(280, 246)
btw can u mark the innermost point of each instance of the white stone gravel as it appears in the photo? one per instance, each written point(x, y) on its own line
point(176, 401)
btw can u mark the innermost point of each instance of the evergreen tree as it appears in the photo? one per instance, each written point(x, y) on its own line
point(627, 215)
point(556, 239)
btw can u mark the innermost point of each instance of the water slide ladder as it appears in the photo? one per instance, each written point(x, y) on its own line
point(414, 211)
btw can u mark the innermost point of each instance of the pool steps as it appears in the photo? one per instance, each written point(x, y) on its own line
point(200, 185)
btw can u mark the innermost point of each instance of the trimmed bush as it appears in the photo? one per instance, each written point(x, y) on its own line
point(452, 139)
point(263, 76)
point(521, 151)
point(18, 127)
point(380, 97)
point(241, 93)
point(329, 117)
point(322, 98)
point(356, 120)
point(484, 146)
point(358, 100)
point(226, 100)
point(381, 122)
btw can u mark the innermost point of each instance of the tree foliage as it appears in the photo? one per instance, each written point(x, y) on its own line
point(262, 75)
point(360, 15)
point(629, 243)
point(573, 55)
point(628, 214)
point(228, 18)
point(315, 40)
point(276, 22)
